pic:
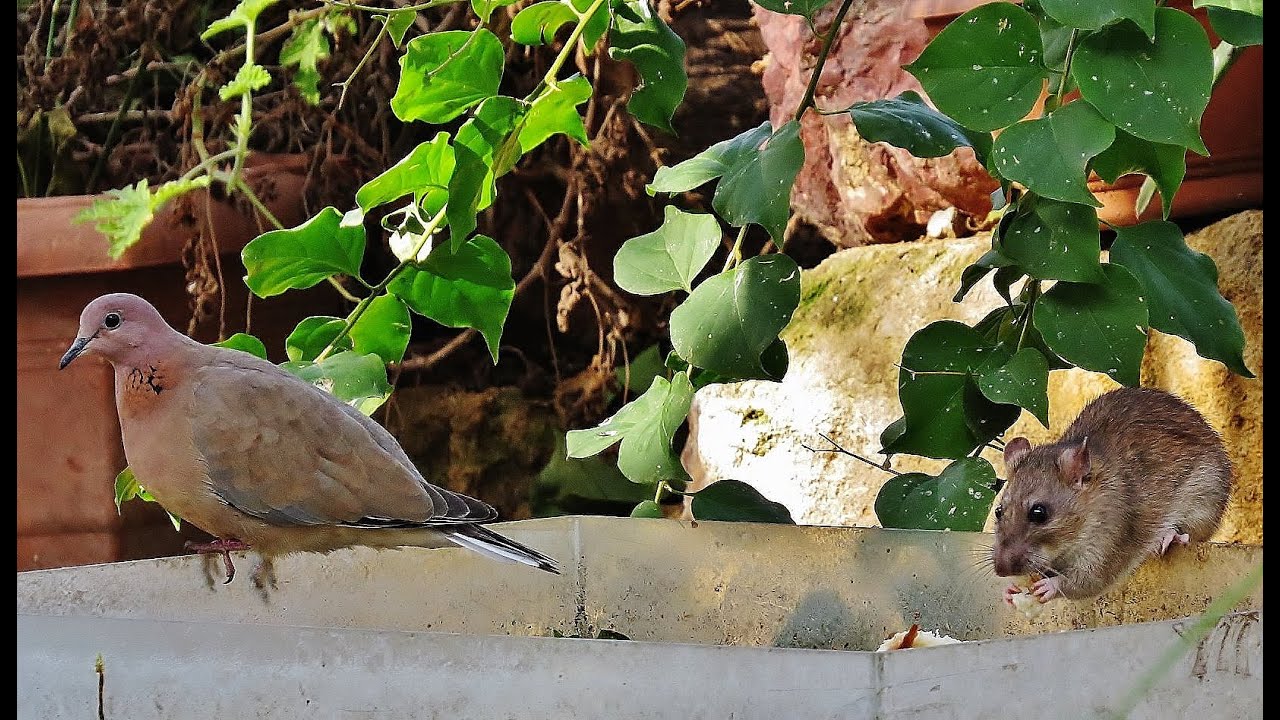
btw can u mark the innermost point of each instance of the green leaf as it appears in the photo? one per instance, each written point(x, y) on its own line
point(974, 273)
point(1049, 155)
point(127, 487)
point(244, 342)
point(1181, 288)
point(1253, 7)
point(1237, 27)
point(1155, 90)
point(1165, 164)
point(640, 37)
point(1098, 327)
point(1087, 15)
point(126, 213)
point(647, 509)
point(670, 257)
point(984, 68)
point(907, 122)
point(303, 256)
point(639, 373)
point(1023, 381)
point(730, 319)
point(467, 184)
point(398, 22)
point(583, 486)
point(248, 78)
point(357, 380)
point(242, 15)
point(537, 24)
point(957, 499)
point(556, 111)
point(645, 426)
point(595, 26)
point(757, 188)
point(313, 335)
point(442, 74)
point(484, 8)
point(423, 172)
point(946, 415)
point(710, 163)
point(304, 49)
point(470, 288)
point(486, 133)
point(383, 329)
point(1052, 240)
point(806, 8)
point(736, 501)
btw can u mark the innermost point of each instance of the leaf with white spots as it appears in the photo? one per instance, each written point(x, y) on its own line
point(1053, 240)
point(1099, 327)
point(1023, 381)
point(1182, 291)
point(958, 498)
point(1049, 155)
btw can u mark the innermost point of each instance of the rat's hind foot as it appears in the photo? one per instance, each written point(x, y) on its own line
point(1170, 537)
point(219, 546)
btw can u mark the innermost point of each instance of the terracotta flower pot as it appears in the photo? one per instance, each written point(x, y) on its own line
point(1229, 179)
point(69, 448)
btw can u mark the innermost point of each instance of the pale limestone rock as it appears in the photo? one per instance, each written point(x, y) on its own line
point(857, 310)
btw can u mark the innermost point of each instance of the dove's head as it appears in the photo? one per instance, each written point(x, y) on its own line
point(117, 327)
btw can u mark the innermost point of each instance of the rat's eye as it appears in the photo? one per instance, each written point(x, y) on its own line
point(111, 321)
point(999, 511)
point(1038, 514)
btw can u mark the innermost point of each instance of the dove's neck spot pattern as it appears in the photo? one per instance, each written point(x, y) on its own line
point(148, 379)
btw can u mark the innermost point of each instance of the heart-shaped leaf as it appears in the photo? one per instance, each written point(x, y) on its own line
point(984, 68)
point(358, 380)
point(1053, 240)
point(1094, 15)
point(757, 188)
point(670, 257)
point(313, 335)
point(736, 501)
point(959, 498)
point(485, 8)
point(1237, 27)
point(1155, 90)
point(537, 24)
point(907, 122)
point(1181, 288)
point(470, 288)
point(645, 426)
point(303, 256)
point(1165, 164)
point(556, 111)
point(244, 343)
point(1023, 381)
point(1049, 155)
point(730, 319)
point(1100, 327)
point(640, 37)
point(487, 133)
point(710, 163)
point(424, 171)
point(383, 329)
point(444, 73)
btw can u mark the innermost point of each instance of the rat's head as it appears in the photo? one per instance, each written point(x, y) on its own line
point(1039, 511)
point(115, 326)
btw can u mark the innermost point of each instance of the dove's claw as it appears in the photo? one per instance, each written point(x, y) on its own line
point(220, 546)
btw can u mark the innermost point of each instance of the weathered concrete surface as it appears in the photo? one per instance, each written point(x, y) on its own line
point(749, 610)
point(857, 310)
point(855, 192)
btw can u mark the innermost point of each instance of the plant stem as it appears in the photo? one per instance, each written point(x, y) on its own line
point(380, 287)
point(115, 126)
point(205, 164)
point(570, 45)
point(245, 122)
point(1025, 318)
point(657, 496)
point(370, 8)
point(53, 25)
point(71, 23)
point(257, 203)
point(836, 448)
point(1066, 66)
point(736, 251)
point(807, 101)
point(342, 96)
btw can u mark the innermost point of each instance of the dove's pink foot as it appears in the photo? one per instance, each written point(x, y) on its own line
point(1046, 589)
point(224, 546)
point(1169, 538)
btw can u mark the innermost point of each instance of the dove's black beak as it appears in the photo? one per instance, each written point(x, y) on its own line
point(76, 348)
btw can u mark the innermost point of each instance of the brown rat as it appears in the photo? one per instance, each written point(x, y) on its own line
point(1138, 470)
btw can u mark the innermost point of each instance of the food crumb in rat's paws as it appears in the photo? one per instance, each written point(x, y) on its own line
point(915, 638)
point(1026, 603)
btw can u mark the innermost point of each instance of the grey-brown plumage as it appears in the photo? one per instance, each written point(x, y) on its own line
point(253, 455)
point(1138, 470)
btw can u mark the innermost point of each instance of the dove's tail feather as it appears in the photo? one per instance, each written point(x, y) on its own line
point(498, 547)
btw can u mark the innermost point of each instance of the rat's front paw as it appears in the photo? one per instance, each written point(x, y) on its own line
point(1046, 589)
point(1010, 591)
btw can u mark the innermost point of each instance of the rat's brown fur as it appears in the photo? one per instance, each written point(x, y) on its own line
point(1136, 465)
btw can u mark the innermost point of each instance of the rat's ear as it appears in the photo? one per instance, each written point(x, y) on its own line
point(1073, 463)
point(1015, 450)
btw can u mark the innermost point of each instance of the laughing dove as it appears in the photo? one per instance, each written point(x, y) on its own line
point(261, 459)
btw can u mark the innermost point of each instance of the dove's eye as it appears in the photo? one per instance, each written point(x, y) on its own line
point(111, 321)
